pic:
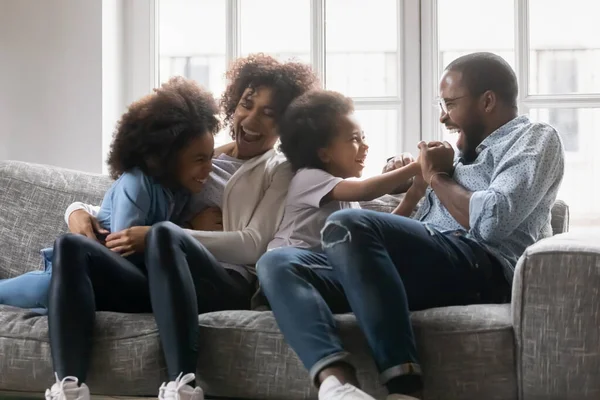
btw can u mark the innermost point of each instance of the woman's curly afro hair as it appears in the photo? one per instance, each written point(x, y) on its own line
point(288, 81)
point(155, 128)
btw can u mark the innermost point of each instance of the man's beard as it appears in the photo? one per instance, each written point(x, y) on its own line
point(471, 139)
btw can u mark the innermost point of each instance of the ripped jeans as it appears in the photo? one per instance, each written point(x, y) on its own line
point(378, 266)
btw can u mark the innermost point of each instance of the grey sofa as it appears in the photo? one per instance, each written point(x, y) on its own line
point(545, 345)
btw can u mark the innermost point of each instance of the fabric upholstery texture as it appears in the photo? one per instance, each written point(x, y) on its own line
point(470, 352)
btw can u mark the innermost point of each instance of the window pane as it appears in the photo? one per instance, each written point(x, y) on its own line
point(381, 131)
point(468, 26)
point(362, 47)
point(192, 41)
point(577, 128)
point(565, 46)
point(279, 28)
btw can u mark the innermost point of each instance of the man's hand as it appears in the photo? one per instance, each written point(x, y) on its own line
point(398, 162)
point(128, 241)
point(82, 223)
point(209, 219)
point(435, 157)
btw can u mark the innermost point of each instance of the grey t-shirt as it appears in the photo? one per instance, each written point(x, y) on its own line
point(304, 216)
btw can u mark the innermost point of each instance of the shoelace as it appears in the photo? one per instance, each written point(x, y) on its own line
point(180, 382)
point(56, 392)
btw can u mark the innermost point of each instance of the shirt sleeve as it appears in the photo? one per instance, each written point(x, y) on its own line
point(76, 206)
point(251, 242)
point(524, 177)
point(309, 186)
point(131, 201)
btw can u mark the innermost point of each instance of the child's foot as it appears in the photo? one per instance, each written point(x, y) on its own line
point(180, 390)
point(68, 389)
point(332, 389)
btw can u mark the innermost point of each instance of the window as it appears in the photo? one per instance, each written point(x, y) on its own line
point(558, 70)
point(389, 54)
point(353, 45)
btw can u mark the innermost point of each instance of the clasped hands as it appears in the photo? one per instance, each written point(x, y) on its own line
point(435, 158)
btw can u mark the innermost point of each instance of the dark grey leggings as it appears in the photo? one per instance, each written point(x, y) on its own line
point(178, 280)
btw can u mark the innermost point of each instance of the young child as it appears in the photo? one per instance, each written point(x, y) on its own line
point(161, 153)
point(325, 146)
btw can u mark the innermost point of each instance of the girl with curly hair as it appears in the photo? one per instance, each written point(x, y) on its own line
point(210, 265)
point(173, 127)
point(160, 155)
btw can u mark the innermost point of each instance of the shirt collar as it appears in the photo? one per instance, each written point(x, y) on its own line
point(500, 132)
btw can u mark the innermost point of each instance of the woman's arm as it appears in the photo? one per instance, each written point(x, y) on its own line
point(246, 246)
point(374, 187)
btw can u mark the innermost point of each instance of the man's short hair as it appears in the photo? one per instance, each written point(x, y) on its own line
point(487, 71)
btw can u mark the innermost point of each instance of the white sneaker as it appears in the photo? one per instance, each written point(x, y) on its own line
point(180, 390)
point(68, 389)
point(397, 396)
point(332, 389)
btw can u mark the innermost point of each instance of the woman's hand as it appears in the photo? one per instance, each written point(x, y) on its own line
point(128, 241)
point(209, 219)
point(82, 223)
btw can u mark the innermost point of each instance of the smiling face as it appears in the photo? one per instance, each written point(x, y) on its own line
point(462, 113)
point(346, 153)
point(254, 125)
point(194, 162)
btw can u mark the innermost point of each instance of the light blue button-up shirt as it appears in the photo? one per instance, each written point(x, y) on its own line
point(515, 180)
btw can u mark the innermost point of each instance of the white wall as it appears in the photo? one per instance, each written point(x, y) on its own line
point(51, 82)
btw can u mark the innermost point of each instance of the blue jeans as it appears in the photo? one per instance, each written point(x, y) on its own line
point(378, 266)
point(29, 290)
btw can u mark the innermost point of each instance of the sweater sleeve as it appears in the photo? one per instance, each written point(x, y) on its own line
point(246, 246)
point(89, 208)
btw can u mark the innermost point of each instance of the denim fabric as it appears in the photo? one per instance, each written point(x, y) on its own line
point(29, 290)
point(514, 179)
point(379, 266)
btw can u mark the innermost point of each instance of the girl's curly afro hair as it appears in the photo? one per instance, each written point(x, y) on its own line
point(155, 128)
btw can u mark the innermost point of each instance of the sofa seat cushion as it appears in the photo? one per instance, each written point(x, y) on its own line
point(466, 353)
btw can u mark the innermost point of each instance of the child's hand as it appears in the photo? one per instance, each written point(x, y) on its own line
point(128, 241)
point(398, 162)
point(209, 219)
point(419, 186)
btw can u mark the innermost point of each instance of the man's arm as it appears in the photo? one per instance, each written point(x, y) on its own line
point(522, 181)
point(454, 197)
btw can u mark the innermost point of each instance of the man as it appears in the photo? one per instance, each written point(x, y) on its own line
point(482, 209)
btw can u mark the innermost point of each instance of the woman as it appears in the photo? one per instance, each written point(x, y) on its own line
point(206, 268)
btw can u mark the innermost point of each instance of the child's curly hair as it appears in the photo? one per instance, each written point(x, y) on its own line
point(310, 124)
point(288, 80)
point(155, 128)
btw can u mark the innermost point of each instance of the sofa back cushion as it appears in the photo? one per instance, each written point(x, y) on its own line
point(33, 199)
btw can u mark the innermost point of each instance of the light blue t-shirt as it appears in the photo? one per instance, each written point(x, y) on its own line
point(135, 199)
point(515, 180)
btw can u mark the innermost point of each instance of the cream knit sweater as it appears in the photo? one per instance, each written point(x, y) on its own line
point(253, 204)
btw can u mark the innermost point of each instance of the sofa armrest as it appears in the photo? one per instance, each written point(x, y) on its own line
point(556, 317)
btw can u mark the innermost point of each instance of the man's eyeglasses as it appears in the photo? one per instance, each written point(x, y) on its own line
point(443, 102)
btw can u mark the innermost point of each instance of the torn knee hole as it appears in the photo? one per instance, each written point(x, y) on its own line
point(334, 233)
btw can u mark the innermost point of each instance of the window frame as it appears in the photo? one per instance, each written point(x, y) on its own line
point(526, 100)
point(143, 63)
